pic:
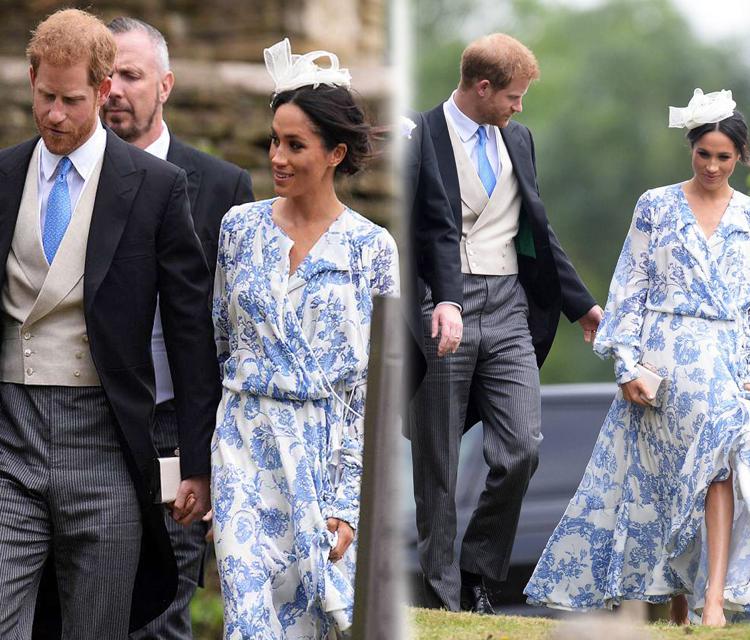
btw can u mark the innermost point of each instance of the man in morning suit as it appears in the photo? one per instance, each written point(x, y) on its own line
point(92, 230)
point(141, 85)
point(516, 280)
point(433, 253)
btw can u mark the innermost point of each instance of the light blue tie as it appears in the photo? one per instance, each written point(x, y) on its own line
point(486, 174)
point(58, 211)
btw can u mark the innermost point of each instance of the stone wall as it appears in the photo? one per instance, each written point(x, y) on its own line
point(218, 104)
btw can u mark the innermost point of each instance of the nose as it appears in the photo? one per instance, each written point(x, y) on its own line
point(116, 90)
point(276, 154)
point(57, 112)
point(518, 106)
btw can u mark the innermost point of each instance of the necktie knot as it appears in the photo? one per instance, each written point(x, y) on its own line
point(482, 136)
point(63, 167)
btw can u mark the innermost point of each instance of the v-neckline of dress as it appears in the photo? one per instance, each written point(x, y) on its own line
point(694, 218)
point(295, 278)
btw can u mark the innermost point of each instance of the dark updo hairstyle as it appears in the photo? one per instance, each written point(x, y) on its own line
point(337, 120)
point(734, 127)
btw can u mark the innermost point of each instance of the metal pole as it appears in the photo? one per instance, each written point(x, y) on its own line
point(378, 601)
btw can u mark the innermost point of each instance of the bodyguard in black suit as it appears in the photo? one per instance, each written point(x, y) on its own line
point(76, 452)
point(433, 251)
point(141, 85)
point(516, 280)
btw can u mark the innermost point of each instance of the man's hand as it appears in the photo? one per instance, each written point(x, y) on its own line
point(446, 319)
point(193, 500)
point(590, 322)
point(346, 535)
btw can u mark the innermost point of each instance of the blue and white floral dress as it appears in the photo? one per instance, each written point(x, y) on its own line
point(635, 528)
point(287, 450)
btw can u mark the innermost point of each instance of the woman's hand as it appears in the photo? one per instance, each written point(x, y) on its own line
point(346, 535)
point(635, 391)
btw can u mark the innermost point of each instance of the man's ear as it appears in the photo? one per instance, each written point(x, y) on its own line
point(102, 92)
point(165, 86)
point(32, 76)
point(482, 87)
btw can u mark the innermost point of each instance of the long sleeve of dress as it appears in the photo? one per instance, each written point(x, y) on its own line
point(619, 334)
point(384, 281)
point(220, 307)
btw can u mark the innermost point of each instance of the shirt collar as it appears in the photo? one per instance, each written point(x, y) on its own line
point(463, 124)
point(84, 158)
point(160, 146)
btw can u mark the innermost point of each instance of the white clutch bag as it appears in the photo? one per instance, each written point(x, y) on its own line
point(167, 473)
point(653, 382)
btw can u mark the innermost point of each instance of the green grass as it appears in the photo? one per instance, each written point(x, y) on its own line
point(442, 625)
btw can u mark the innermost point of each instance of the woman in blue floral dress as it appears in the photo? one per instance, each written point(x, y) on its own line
point(292, 309)
point(663, 509)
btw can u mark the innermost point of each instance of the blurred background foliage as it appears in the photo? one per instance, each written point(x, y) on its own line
point(598, 115)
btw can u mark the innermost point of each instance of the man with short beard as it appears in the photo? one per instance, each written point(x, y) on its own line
point(92, 231)
point(516, 280)
point(141, 85)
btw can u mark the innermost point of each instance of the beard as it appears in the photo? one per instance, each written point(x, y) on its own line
point(124, 121)
point(62, 144)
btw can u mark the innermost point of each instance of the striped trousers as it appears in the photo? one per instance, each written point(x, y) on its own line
point(65, 488)
point(494, 368)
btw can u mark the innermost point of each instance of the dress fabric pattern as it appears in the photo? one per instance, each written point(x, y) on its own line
point(635, 528)
point(287, 450)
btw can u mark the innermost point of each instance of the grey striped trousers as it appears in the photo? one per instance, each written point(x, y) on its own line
point(495, 363)
point(64, 487)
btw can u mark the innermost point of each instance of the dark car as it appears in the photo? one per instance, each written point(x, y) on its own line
point(572, 415)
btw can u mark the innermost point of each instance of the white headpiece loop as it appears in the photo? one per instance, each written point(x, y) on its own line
point(291, 71)
point(703, 109)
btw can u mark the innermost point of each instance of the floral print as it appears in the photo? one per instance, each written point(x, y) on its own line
point(287, 450)
point(635, 528)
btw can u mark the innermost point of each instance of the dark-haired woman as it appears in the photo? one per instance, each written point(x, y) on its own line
point(292, 308)
point(663, 509)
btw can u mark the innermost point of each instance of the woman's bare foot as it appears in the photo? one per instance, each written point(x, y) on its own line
point(678, 610)
point(713, 614)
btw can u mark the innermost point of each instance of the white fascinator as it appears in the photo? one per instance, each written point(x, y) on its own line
point(703, 109)
point(291, 71)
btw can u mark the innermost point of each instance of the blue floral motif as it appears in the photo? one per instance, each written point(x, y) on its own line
point(634, 529)
point(287, 451)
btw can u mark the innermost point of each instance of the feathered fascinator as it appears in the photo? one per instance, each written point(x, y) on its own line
point(703, 109)
point(291, 71)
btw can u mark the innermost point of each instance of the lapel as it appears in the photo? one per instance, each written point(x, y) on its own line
point(66, 269)
point(473, 193)
point(13, 167)
point(118, 186)
point(520, 156)
point(27, 242)
point(178, 155)
point(446, 161)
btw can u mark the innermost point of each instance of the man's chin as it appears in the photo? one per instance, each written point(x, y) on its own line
point(59, 145)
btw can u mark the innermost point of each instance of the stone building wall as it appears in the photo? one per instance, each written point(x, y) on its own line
point(222, 91)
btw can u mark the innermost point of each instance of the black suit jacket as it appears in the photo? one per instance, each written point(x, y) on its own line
point(214, 187)
point(141, 243)
point(433, 255)
point(547, 275)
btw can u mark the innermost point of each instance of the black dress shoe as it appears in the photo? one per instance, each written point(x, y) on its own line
point(475, 594)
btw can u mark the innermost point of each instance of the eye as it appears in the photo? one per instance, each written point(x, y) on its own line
point(274, 139)
point(296, 146)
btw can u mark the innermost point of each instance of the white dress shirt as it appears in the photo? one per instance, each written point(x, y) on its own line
point(466, 129)
point(83, 159)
